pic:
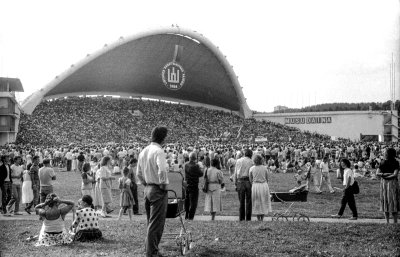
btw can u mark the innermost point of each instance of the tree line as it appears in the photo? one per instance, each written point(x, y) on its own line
point(330, 107)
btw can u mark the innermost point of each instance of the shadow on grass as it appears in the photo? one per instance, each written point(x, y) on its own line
point(208, 252)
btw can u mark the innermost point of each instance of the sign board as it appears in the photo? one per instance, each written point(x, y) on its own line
point(261, 139)
point(137, 113)
point(308, 120)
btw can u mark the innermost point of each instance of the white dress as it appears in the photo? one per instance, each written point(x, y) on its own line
point(74, 166)
point(27, 193)
point(260, 196)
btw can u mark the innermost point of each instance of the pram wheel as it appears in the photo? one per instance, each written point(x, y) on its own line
point(296, 216)
point(185, 243)
point(279, 217)
point(303, 217)
point(275, 216)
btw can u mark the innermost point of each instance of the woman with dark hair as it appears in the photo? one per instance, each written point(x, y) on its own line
point(213, 195)
point(348, 195)
point(86, 225)
point(260, 196)
point(53, 230)
point(388, 172)
point(105, 184)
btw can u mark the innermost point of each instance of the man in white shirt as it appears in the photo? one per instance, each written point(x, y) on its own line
point(324, 166)
point(68, 156)
point(46, 175)
point(121, 156)
point(106, 152)
point(243, 185)
point(152, 173)
point(16, 175)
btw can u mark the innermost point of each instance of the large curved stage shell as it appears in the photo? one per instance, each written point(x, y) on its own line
point(136, 66)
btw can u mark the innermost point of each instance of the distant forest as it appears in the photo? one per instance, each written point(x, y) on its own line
point(343, 107)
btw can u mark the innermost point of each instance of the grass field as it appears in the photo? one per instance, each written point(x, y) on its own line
point(221, 238)
point(225, 238)
point(68, 185)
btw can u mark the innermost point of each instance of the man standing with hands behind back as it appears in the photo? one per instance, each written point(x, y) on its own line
point(152, 173)
point(243, 185)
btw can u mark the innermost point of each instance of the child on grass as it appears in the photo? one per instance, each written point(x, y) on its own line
point(126, 197)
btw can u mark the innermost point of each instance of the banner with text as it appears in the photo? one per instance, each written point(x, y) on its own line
point(308, 120)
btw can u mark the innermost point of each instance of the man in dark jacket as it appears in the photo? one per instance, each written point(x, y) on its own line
point(192, 175)
point(81, 160)
point(5, 182)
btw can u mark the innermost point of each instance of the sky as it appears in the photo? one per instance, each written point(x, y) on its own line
point(292, 53)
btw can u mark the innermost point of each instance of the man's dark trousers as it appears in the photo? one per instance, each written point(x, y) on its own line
point(135, 207)
point(6, 191)
point(244, 191)
point(191, 200)
point(69, 165)
point(44, 191)
point(156, 203)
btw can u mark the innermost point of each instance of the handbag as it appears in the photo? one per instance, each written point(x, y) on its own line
point(355, 187)
point(205, 186)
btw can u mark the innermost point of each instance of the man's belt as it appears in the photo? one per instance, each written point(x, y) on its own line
point(244, 179)
point(152, 184)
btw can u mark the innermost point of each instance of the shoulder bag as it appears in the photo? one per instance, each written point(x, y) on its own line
point(205, 186)
point(355, 188)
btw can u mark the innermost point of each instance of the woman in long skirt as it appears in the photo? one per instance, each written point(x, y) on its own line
point(388, 172)
point(74, 161)
point(105, 184)
point(27, 192)
point(213, 196)
point(97, 198)
point(260, 196)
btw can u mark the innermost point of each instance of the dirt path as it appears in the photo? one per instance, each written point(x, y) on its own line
point(203, 218)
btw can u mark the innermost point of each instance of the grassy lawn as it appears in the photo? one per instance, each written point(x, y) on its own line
point(68, 187)
point(225, 238)
point(221, 238)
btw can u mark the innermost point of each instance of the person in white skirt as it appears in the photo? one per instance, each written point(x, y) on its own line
point(260, 196)
point(27, 192)
point(215, 178)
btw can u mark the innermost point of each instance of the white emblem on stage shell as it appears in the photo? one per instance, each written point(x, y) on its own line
point(173, 76)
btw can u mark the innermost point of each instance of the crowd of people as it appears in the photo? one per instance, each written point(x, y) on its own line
point(99, 137)
point(105, 119)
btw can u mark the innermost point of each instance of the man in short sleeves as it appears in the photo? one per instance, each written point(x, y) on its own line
point(46, 175)
point(152, 173)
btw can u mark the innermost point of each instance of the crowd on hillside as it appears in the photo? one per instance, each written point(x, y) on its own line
point(105, 119)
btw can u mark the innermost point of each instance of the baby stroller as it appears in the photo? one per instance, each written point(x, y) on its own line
point(176, 207)
point(298, 194)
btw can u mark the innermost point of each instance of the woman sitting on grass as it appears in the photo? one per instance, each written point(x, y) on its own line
point(86, 224)
point(53, 230)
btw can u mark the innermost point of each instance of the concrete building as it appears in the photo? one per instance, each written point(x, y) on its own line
point(9, 109)
point(354, 125)
point(172, 64)
point(280, 108)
